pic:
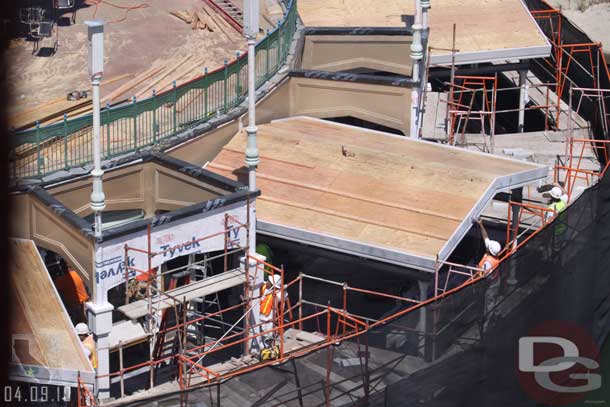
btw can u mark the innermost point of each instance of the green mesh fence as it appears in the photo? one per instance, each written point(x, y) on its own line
point(46, 149)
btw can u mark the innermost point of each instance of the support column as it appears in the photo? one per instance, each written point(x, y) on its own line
point(416, 56)
point(523, 98)
point(516, 196)
point(425, 5)
point(425, 341)
point(254, 285)
point(252, 157)
point(99, 318)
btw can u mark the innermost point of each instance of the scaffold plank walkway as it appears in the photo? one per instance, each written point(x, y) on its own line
point(198, 289)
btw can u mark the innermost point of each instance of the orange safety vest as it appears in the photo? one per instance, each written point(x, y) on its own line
point(72, 288)
point(89, 343)
point(488, 258)
point(267, 302)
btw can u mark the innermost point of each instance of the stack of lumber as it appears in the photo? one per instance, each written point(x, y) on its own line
point(192, 18)
point(54, 110)
point(207, 18)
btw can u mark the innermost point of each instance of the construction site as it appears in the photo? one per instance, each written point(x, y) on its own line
point(308, 203)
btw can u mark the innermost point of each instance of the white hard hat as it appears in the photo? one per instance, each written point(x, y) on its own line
point(82, 329)
point(276, 281)
point(494, 247)
point(556, 193)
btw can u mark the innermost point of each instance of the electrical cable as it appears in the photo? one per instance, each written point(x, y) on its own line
point(127, 9)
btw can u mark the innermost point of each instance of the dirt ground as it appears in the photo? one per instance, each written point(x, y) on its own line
point(146, 37)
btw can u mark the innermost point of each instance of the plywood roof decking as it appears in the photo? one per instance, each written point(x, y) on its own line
point(398, 194)
point(491, 25)
point(39, 316)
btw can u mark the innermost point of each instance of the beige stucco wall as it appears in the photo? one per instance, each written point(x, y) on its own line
point(34, 220)
point(381, 104)
point(337, 53)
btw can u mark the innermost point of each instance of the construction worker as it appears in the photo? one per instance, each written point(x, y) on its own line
point(138, 287)
point(490, 259)
point(271, 296)
point(558, 202)
point(86, 337)
point(264, 250)
point(489, 264)
point(72, 291)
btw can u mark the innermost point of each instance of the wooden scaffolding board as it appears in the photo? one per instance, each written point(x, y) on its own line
point(202, 288)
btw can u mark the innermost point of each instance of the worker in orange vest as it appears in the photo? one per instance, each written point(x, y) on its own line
point(271, 296)
point(72, 290)
point(138, 287)
point(490, 259)
point(86, 337)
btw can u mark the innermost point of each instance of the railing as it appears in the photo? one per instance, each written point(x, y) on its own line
point(127, 128)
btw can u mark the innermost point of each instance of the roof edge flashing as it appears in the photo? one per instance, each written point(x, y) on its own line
point(351, 247)
point(499, 184)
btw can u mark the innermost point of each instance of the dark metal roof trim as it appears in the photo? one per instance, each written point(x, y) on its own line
point(402, 81)
point(390, 31)
point(178, 214)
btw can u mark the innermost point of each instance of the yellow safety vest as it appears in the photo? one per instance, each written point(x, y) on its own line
point(559, 207)
point(89, 343)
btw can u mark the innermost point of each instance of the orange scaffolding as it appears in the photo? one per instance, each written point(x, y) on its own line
point(84, 396)
point(563, 56)
point(462, 108)
point(568, 170)
point(333, 324)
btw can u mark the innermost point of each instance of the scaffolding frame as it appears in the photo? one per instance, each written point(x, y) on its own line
point(340, 322)
point(563, 55)
point(461, 108)
point(568, 170)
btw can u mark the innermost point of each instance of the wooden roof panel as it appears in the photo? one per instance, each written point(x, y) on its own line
point(480, 25)
point(386, 191)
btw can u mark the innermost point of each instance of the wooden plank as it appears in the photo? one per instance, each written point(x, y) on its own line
point(150, 85)
point(205, 20)
point(185, 70)
point(210, 20)
point(219, 22)
point(194, 21)
point(110, 81)
point(210, 285)
point(182, 15)
point(132, 83)
point(51, 111)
